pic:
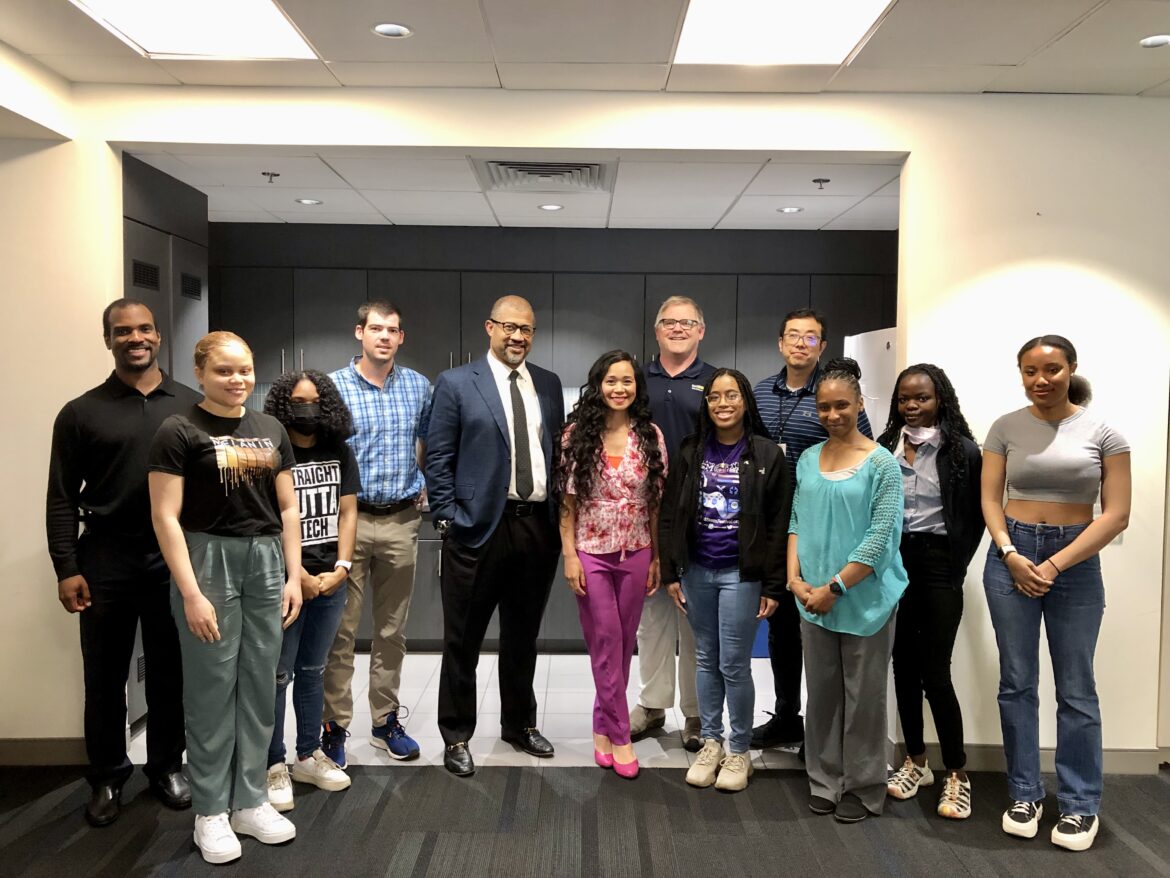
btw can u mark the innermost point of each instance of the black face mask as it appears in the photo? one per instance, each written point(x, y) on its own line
point(306, 417)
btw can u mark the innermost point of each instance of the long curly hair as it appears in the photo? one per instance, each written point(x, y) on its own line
point(950, 420)
point(581, 456)
point(337, 422)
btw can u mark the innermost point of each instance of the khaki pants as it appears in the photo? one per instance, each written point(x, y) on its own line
point(383, 565)
point(663, 626)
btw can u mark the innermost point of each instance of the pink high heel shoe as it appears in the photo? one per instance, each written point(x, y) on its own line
point(628, 770)
point(603, 760)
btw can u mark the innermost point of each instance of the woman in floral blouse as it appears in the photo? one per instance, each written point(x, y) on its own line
point(611, 473)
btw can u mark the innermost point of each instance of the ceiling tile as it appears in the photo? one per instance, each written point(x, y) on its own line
point(953, 80)
point(283, 199)
point(764, 209)
point(585, 77)
point(693, 178)
point(698, 207)
point(129, 68)
point(37, 27)
point(399, 203)
point(794, 179)
point(1108, 39)
point(418, 74)
point(241, 216)
point(876, 214)
point(423, 219)
point(567, 31)
point(452, 30)
point(333, 219)
point(1162, 91)
point(447, 175)
point(289, 74)
point(733, 78)
point(893, 189)
point(221, 198)
point(660, 222)
point(178, 169)
point(798, 222)
point(1066, 80)
point(245, 170)
point(576, 204)
point(948, 33)
point(564, 222)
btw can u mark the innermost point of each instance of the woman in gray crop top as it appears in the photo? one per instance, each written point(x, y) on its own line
point(1053, 458)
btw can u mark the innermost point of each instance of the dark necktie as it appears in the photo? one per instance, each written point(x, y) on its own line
point(520, 441)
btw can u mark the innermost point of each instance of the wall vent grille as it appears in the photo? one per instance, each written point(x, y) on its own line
point(146, 275)
point(504, 176)
point(191, 286)
point(140, 671)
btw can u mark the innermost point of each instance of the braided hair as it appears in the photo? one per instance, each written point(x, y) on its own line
point(752, 422)
point(581, 454)
point(950, 420)
point(336, 421)
point(842, 369)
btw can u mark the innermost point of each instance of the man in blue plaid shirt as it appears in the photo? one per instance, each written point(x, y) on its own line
point(391, 407)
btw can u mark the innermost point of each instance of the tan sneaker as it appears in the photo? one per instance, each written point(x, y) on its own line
point(955, 801)
point(904, 783)
point(706, 765)
point(280, 791)
point(734, 771)
point(645, 719)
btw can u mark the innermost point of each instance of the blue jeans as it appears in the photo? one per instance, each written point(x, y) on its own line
point(302, 658)
point(1072, 611)
point(722, 611)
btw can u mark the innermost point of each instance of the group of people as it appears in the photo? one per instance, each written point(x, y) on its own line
point(687, 507)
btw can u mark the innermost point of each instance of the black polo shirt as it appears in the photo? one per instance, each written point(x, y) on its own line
point(97, 467)
point(675, 402)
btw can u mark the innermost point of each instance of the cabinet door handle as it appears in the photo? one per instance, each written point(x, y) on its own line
point(439, 565)
point(302, 359)
point(450, 359)
point(282, 361)
point(469, 357)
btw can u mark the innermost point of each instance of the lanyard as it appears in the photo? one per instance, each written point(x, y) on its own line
point(800, 394)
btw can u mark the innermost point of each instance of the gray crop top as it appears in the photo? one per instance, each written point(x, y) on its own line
point(1054, 461)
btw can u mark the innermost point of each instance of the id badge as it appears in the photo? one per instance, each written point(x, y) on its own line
point(783, 448)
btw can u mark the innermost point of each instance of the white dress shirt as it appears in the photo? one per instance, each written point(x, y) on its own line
point(501, 371)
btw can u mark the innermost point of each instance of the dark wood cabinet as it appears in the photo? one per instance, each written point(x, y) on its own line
point(715, 294)
point(325, 303)
point(592, 314)
point(851, 303)
point(429, 303)
point(480, 289)
point(257, 305)
point(764, 299)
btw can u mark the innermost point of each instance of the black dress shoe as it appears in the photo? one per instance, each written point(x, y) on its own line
point(821, 805)
point(172, 790)
point(457, 760)
point(531, 741)
point(850, 809)
point(104, 805)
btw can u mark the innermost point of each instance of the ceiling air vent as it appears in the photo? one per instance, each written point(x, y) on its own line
point(146, 275)
point(191, 286)
point(544, 176)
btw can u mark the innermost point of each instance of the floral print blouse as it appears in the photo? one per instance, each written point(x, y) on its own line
point(616, 518)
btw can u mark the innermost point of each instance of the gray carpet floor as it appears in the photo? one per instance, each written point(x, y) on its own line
point(548, 822)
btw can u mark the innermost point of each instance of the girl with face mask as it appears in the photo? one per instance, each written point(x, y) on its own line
point(326, 480)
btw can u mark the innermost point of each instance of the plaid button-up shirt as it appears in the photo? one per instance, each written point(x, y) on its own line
point(387, 421)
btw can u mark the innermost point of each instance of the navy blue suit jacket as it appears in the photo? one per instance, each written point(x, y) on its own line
point(469, 449)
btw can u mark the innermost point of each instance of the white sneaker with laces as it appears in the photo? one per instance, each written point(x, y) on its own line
point(904, 783)
point(215, 839)
point(319, 770)
point(1023, 819)
point(263, 824)
point(734, 771)
point(1075, 832)
point(280, 791)
point(955, 801)
point(706, 765)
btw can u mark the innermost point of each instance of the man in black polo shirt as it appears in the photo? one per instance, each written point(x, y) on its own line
point(675, 381)
point(788, 405)
point(114, 575)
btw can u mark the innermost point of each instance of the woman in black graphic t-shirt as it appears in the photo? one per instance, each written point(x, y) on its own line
point(225, 512)
point(326, 478)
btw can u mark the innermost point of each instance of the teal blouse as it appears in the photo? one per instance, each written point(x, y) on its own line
point(854, 519)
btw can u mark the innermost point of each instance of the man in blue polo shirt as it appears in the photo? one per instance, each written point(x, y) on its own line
point(675, 381)
point(788, 405)
point(391, 407)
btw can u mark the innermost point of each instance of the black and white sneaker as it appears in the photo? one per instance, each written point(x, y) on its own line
point(1023, 819)
point(1075, 832)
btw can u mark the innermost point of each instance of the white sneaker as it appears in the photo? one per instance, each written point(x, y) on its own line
point(280, 791)
point(215, 839)
point(1023, 819)
point(263, 824)
point(734, 771)
point(1075, 832)
point(955, 801)
point(904, 783)
point(319, 770)
point(706, 765)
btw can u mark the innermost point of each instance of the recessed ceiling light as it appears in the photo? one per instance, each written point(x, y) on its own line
point(210, 30)
point(1156, 42)
point(308, 202)
point(392, 31)
point(767, 32)
point(552, 207)
point(789, 209)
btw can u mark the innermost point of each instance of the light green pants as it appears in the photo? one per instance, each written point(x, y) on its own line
point(229, 686)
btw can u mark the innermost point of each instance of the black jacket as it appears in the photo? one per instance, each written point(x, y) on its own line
point(764, 506)
point(962, 511)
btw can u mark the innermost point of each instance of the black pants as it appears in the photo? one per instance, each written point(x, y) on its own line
point(928, 619)
point(786, 656)
point(512, 570)
point(128, 584)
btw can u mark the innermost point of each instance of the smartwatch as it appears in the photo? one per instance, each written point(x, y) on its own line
point(348, 565)
point(1004, 550)
point(837, 587)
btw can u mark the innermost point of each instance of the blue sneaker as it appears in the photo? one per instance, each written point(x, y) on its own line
point(392, 738)
point(333, 743)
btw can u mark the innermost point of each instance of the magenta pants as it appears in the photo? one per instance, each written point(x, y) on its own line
point(614, 591)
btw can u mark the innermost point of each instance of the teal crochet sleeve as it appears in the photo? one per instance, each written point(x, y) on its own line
point(886, 510)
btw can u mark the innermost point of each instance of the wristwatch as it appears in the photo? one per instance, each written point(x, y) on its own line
point(836, 586)
point(347, 565)
point(1003, 551)
point(442, 526)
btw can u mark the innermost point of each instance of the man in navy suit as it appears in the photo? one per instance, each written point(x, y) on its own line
point(489, 470)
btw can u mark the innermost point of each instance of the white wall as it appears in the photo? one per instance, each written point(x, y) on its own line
point(1021, 215)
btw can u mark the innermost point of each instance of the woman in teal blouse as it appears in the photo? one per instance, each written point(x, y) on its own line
point(844, 536)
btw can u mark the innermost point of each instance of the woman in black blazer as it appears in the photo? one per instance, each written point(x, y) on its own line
point(941, 529)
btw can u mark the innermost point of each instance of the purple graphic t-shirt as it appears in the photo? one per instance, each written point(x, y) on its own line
point(717, 525)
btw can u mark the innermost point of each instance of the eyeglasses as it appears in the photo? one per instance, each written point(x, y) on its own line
point(732, 396)
point(512, 328)
point(671, 323)
point(811, 339)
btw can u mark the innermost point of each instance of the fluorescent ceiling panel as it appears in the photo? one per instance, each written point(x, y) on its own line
point(186, 29)
point(774, 31)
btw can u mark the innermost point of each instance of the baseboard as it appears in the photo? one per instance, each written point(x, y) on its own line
point(42, 751)
point(989, 757)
